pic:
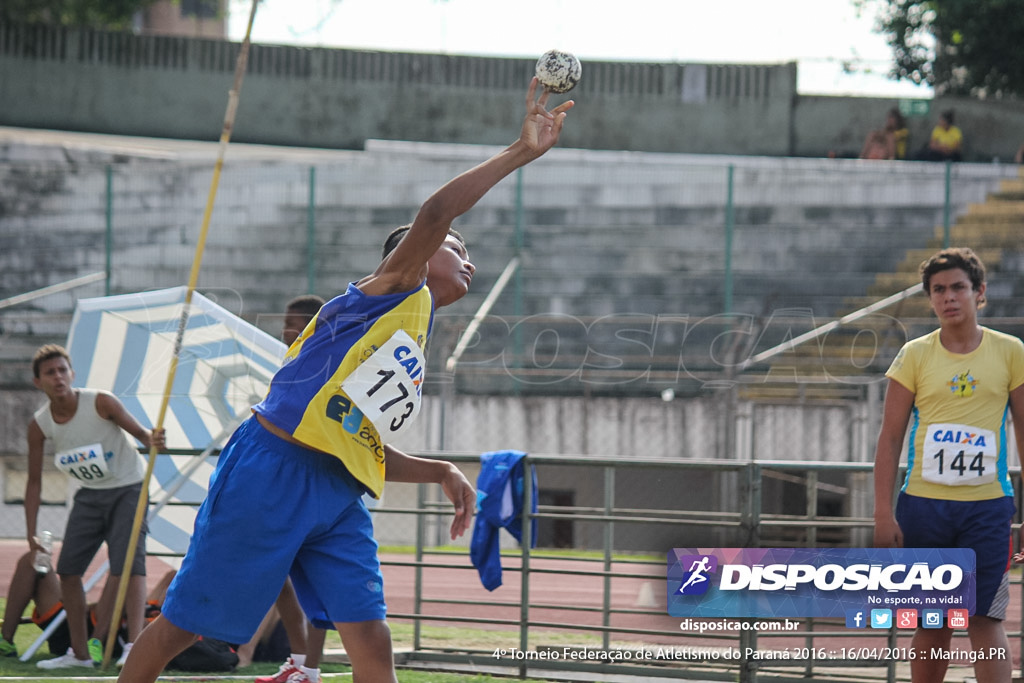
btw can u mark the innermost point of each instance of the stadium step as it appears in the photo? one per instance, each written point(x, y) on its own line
point(992, 229)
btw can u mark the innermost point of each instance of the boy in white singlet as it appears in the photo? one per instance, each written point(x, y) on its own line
point(87, 429)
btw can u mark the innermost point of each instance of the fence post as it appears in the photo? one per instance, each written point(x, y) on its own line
point(609, 542)
point(946, 209)
point(311, 234)
point(752, 524)
point(417, 596)
point(730, 220)
point(524, 567)
point(812, 508)
point(750, 520)
point(519, 240)
point(109, 237)
point(748, 667)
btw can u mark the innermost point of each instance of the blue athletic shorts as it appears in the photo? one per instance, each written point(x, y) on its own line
point(983, 525)
point(275, 508)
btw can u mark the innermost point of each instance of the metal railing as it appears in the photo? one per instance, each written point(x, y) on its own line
point(644, 627)
point(52, 289)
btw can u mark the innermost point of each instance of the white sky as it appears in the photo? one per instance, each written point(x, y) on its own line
point(819, 34)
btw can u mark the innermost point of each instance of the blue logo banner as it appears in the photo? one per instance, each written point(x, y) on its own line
point(850, 583)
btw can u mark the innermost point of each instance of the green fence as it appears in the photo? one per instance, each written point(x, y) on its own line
point(603, 612)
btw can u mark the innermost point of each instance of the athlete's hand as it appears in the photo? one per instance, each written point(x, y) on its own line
point(888, 534)
point(157, 438)
point(1018, 557)
point(462, 495)
point(541, 127)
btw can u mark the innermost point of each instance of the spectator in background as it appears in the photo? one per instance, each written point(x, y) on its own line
point(306, 642)
point(946, 143)
point(297, 314)
point(889, 142)
point(877, 145)
point(28, 585)
point(1019, 156)
point(896, 131)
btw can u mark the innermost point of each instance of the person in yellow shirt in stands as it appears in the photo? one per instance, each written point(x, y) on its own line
point(946, 143)
point(889, 142)
point(896, 130)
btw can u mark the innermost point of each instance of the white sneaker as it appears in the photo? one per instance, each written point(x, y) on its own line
point(124, 655)
point(66, 661)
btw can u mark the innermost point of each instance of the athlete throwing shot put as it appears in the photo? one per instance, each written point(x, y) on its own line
point(286, 495)
point(957, 387)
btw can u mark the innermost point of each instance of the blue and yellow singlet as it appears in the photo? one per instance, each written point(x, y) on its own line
point(374, 346)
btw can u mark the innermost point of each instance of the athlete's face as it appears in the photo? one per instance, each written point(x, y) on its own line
point(449, 272)
point(55, 377)
point(952, 297)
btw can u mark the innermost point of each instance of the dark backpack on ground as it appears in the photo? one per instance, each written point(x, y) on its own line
point(206, 654)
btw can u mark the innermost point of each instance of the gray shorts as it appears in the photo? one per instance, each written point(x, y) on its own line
point(100, 515)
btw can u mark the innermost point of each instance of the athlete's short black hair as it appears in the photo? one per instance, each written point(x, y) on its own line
point(45, 353)
point(963, 258)
point(306, 304)
point(396, 235)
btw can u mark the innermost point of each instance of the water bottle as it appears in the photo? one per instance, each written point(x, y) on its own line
point(42, 559)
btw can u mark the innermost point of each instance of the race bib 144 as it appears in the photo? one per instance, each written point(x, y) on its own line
point(959, 455)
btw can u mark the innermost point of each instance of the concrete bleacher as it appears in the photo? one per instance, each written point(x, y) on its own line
point(991, 227)
point(603, 235)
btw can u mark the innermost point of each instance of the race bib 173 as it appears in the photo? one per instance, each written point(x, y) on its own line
point(387, 386)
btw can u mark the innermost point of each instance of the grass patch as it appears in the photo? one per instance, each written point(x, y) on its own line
point(433, 637)
point(454, 637)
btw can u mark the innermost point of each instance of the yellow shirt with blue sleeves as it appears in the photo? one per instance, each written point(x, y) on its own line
point(306, 398)
point(958, 432)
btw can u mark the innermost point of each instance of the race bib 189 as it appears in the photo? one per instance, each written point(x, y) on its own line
point(388, 384)
point(959, 455)
point(85, 463)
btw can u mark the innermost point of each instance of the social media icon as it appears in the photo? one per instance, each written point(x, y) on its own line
point(881, 618)
point(856, 618)
point(931, 618)
point(958, 618)
point(906, 618)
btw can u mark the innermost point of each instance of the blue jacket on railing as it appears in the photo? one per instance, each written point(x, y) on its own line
point(499, 503)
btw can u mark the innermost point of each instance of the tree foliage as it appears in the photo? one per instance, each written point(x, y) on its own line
point(958, 46)
point(86, 13)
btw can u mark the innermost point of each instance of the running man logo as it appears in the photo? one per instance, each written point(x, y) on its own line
point(963, 385)
point(695, 580)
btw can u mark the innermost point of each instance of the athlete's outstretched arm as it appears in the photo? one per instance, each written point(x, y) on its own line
point(405, 268)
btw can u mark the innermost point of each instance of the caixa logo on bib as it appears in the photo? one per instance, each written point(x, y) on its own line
point(805, 582)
